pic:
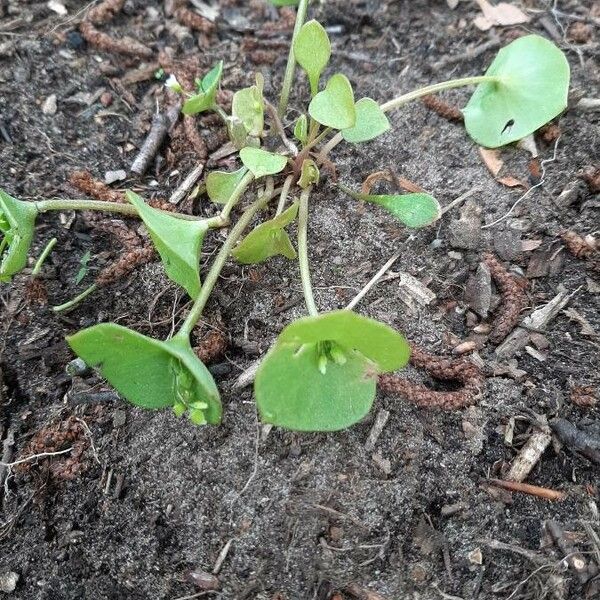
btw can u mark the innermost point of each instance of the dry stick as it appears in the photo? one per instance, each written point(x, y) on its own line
point(573, 558)
point(576, 439)
point(459, 200)
point(161, 123)
point(280, 129)
point(186, 185)
point(373, 281)
point(530, 453)
point(526, 488)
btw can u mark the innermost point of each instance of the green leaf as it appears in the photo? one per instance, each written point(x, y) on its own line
point(220, 185)
point(301, 129)
point(268, 239)
point(376, 341)
point(284, 2)
point(370, 122)
point(83, 267)
point(178, 242)
point(207, 92)
point(312, 50)
point(249, 107)
point(334, 106)
point(292, 391)
point(17, 226)
point(532, 89)
point(414, 210)
point(261, 163)
point(147, 372)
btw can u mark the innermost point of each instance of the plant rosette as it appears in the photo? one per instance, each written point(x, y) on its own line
point(321, 374)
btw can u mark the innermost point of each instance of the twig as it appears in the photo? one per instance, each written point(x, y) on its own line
point(222, 556)
point(459, 200)
point(530, 453)
point(380, 421)
point(526, 488)
point(278, 125)
point(576, 439)
point(574, 559)
point(186, 185)
point(373, 281)
point(161, 123)
point(7, 453)
point(533, 187)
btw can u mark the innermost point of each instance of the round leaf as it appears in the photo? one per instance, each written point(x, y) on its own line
point(312, 50)
point(291, 391)
point(268, 239)
point(261, 163)
point(17, 225)
point(248, 106)
point(220, 185)
point(532, 89)
point(370, 122)
point(178, 242)
point(147, 372)
point(374, 340)
point(334, 106)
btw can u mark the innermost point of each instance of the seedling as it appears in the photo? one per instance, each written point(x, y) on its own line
point(321, 373)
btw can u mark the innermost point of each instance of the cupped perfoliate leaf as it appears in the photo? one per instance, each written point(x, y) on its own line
point(17, 226)
point(249, 107)
point(207, 92)
point(531, 88)
point(370, 122)
point(268, 239)
point(309, 173)
point(312, 50)
point(378, 342)
point(293, 388)
point(150, 373)
point(178, 243)
point(301, 129)
point(414, 210)
point(261, 162)
point(334, 106)
point(220, 185)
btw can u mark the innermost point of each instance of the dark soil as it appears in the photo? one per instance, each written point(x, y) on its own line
point(151, 497)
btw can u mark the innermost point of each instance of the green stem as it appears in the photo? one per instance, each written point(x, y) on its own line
point(291, 62)
point(405, 98)
point(239, 190)
point(303, 253)
point(113, 207)
point(220, 260)
point(43, 256)
point(75, 301)
point(285, 190)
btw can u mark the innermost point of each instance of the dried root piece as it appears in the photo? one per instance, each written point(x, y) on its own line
point(84, 182)
point(581, 247)
point(105, 11)
point(54, 438)
point(36, 292)
point(391, 177)
point(450, 369)
point(211, 347)
point(584, 396)
point(194, 21)
point(125, 264)
point(445, 110)
point(105, 42)
point(514, 299)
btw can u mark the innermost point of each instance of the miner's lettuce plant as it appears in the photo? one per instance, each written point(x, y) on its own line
point(321, 372)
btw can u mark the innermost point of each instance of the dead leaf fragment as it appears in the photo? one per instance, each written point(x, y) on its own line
point(502, 14)
point(510, 181)
point(586, 327)
point(492, 160)
point(529, 245)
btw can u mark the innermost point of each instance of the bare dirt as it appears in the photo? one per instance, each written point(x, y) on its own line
point(143, 498)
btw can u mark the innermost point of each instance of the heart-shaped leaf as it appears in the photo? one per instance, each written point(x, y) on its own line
point(414, 210)
point(220, 185)
point(531, 89)
point(150, 373)
point(17, 226)
point(268, 239)
point(207, 92)
point(312, 50)
point(262, 163)
point(292, 391)
point(309, 173)
point(178, 242)
point(378, 342)
point(249, 107)
point(334, 106)
point(370, 122)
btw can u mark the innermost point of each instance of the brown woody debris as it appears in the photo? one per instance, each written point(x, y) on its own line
point(211, 347)
point(286, 22)
point(579, 32)
point(550, 133)
point(584, 396)
point(36, 292)
point(194, 138)
point(84, 182)
point(105, 11)
point(54, 438)
point(449, 369)
point(194, 21)
point(592, 177)
point(443, 109)
point(581, 247)
point(125, 264)
point(107, 43)
point(514, 299)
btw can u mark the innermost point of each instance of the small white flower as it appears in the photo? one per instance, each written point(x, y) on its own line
point(173, 84)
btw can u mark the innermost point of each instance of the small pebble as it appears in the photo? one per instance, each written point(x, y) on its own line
point(8, 581)
point(119, 418)
point(106, 99)
point(77, 368)
point(112, 176)
point(75, 41)
point(203, 580)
